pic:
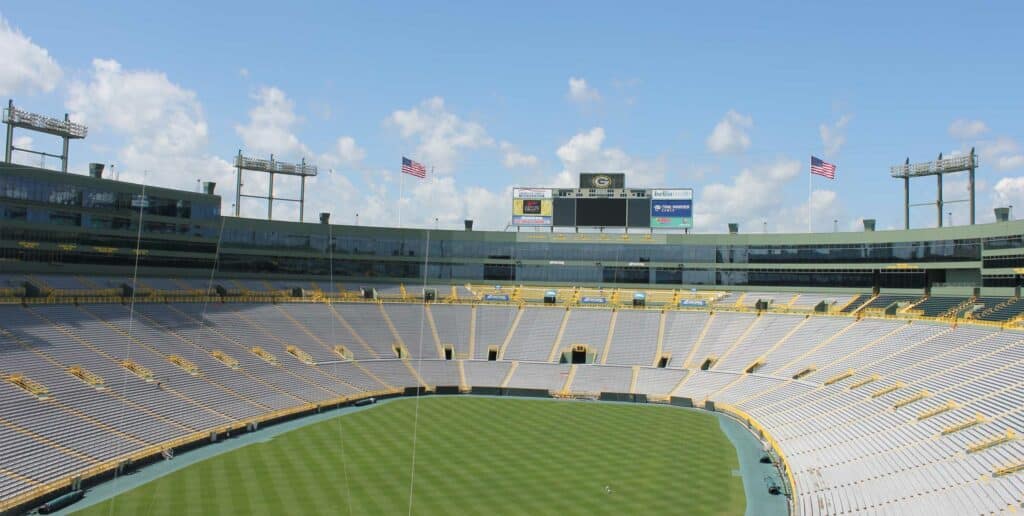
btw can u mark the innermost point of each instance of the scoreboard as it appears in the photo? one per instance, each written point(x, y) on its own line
point(610, 207)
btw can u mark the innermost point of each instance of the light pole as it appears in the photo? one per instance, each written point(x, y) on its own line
point(835, 225)
point(950, 218)
point(357, 218)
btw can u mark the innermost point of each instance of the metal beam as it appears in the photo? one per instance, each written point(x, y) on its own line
point(302, 170)
point(906, 202)
point(10, 133)
point(970, 183)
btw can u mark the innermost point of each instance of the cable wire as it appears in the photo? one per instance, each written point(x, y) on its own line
point(128, 340)
point(419, 365)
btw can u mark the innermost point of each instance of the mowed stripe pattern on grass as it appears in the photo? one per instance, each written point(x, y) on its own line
point(474, 456)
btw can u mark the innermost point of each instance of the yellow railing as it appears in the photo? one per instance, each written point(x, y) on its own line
point(952, 429)
point(860, 383)
point(138, 369)
point(840, 377)
point(776, 447)
point(86, 376)
point(28, 385)
point(985, 444)
point(516, 298)
point(1009, 469)
point(225, 359)
point(950, 405)
point(886, 390)
point(189, 367)
point(266, 356)
point(303, 357)
point(907, 401)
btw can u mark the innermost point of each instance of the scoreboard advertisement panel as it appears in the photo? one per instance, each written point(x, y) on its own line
point(672, 208)
point(532, 206)
point(608, 207)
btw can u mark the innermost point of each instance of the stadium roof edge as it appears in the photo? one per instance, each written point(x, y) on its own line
point(993, 229)
point(12, 169)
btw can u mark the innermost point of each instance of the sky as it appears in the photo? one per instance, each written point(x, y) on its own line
point(729, 98)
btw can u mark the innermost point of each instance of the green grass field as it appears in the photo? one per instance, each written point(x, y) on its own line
point(474, 456)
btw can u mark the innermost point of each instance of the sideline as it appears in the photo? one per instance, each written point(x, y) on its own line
point(748, 450)
point(126, 482)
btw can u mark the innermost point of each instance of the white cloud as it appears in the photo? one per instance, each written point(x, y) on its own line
point(24, 158)
point(1009, 189)
point(160, 125)
point(513, 158)
point(963, 129)
point(584, 152)
point(751, 197)
point(833, 137)
point(377, 203)
point(582, 93)
point(271, 125)
point(244, 72)
point(345, 152)
point(141, 103)
point(27, 67)
point(23, 142)
point(730, 134)
point(1009, 162)
point(441, 135)
point(1002, 153)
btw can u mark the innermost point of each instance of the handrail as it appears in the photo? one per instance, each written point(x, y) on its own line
point(776, 447)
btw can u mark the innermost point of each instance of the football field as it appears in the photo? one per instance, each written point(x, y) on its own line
point(474, 455)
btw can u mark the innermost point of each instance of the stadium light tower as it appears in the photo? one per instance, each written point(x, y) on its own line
point(301, 170)
point(65, 129)
point(966, 163)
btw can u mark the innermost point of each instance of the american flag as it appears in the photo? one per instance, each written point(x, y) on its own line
point(413, 169)
point(823, 168)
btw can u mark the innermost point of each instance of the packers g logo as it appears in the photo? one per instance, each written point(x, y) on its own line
point(601, 181)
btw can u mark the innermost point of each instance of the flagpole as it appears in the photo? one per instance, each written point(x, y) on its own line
point(401, 187)
point(809, 177)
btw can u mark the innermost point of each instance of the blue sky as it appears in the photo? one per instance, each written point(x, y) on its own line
point(728, 98)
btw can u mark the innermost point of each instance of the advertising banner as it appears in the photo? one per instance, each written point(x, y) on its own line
point(532, 207)
point(680, 194)
point(531, 193)
point(672, 208)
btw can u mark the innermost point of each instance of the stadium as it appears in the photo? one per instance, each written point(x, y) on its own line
point(158, 356)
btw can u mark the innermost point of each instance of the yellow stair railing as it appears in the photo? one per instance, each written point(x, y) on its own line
point(840, 377)
point(952, 429)
point(86, 376)
point(28, 385)
point(949, 405)
point(1009, 469)
point(860, 383)
point(189, 367)
point(225, 359)
point(266, 356)
point(138, 369)
point(886, 390)
point(303, 357)
point(985, 444)
point(907, 401)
